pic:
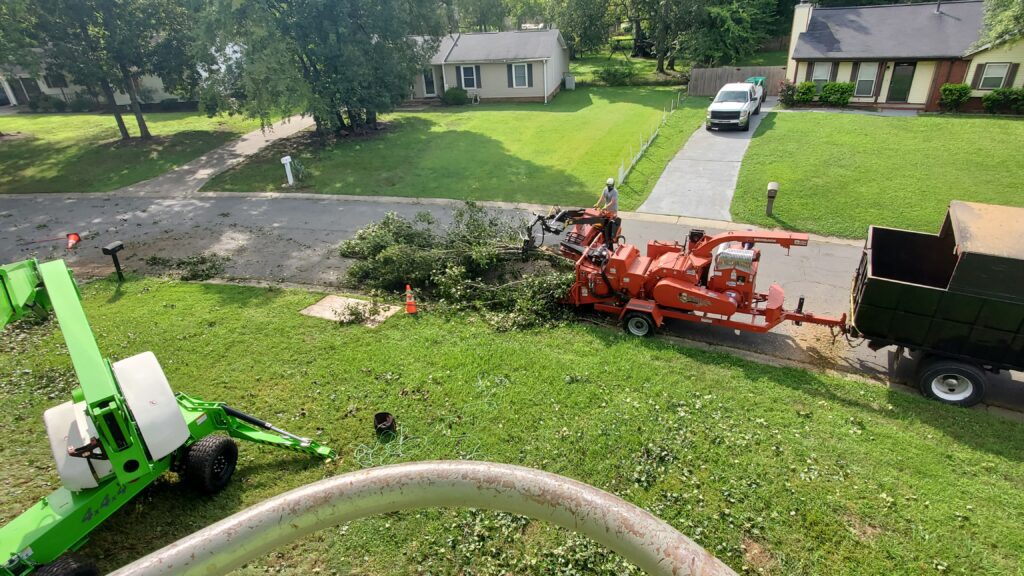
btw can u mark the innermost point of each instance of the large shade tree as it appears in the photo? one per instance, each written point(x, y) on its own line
point(109, 45)
point(584, 23)
point(330, 59)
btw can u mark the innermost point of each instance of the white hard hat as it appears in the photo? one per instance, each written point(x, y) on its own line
point(610, 182)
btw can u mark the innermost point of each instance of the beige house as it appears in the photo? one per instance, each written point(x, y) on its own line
point(528, 65)
point(18, 89)
point(899, 55)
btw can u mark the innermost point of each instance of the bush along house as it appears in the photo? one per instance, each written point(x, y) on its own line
point(900, 55)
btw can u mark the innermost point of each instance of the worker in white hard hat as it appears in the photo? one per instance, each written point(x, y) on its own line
point(609, 200)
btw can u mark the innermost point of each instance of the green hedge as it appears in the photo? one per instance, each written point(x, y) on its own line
point(836, 93)
point(954, 96)
point(1004, 100)
point(805, 92)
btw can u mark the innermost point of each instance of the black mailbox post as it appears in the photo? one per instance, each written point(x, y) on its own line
point(111, 250)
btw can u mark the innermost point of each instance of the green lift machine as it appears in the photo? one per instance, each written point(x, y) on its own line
point(121, 430)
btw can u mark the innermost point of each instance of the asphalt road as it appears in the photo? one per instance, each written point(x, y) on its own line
point(294, 238)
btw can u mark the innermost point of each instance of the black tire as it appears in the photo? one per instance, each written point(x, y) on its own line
point(707, 127)
point(746, 127)
point(757, 110)
point(69, 565)
point(951, 382)
point(210, 463)
point(638, 324)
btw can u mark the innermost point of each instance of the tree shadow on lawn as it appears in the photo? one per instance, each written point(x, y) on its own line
point(98, 166)
point(977, 429)
point(767, 123)
point(168, 511)
point(414, 160)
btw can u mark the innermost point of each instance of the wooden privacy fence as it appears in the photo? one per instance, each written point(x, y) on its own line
point(707, 81)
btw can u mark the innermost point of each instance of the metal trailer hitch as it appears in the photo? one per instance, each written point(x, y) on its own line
point(637, 535)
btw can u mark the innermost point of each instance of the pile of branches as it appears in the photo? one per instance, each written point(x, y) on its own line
point(474, 263)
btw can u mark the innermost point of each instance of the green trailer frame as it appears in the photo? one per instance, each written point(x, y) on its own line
point(63, 520)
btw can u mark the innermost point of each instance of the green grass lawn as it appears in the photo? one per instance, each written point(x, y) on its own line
point(838, 173)
point(771, 58)
point(772, 469)
point(560, 153)
point(83, 153)
point(585, 68)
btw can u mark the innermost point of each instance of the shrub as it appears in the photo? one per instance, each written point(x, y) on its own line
point(81, 103)
point(455, 97)
point(1004, 100)
point(837, 93)
point(169, 104)
point(787, 93)
point(618, 74)
point(954, 96)
point(47, 103)
point(806, 92)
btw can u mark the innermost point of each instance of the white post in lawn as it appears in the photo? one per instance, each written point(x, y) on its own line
point(287, 161)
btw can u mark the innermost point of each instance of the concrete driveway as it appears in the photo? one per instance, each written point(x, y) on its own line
point(700, 180)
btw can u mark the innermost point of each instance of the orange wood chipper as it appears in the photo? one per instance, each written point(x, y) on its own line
point(709, 279)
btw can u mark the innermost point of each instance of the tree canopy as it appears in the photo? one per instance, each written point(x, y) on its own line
point(355, 57)
point(1004, 20)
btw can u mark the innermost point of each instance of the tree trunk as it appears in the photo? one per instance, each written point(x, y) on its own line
point(661, 37)
point(638, 39)
point(671, 63)
point(108, 92)
point(355, 120)
point(321, 129)
point(129, 86)
point(371, 119)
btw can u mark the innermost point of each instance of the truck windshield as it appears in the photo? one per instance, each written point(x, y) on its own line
point(732, 96)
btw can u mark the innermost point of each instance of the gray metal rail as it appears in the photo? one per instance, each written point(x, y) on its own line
point(635, 534)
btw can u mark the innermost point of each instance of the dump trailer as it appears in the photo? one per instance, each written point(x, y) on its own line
point(956, 297)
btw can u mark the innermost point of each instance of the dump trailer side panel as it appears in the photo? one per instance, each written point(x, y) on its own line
point(976, 328)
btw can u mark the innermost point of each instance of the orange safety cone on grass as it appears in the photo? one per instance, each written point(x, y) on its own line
point(410, 302)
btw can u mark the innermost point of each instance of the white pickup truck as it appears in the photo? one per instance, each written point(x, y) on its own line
point(734, 105)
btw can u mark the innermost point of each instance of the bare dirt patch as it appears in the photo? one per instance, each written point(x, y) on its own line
point(757, 556)
point(862, 530)
point(12, 136)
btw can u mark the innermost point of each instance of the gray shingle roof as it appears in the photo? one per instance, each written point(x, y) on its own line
point(910, 31)
point(498, 46)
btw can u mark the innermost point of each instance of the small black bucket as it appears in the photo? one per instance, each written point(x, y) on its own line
point(383, 424)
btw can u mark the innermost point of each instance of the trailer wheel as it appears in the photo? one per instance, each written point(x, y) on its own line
point(638, 324)
point(210, 463)
point(951, 382)
point(69, 565)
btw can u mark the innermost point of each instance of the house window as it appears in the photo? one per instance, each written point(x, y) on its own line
point(993, 76)
point(820, 73)
point(520, 77)
point(865, 80)
point(55, 80)
point(468, 77)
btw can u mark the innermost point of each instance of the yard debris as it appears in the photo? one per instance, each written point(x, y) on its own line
point(474, 263)
point(197, 267)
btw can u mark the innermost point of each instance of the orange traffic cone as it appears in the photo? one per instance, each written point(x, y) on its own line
point(410, 302)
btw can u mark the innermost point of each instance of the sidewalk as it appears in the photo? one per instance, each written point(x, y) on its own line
point(190, 177)
point(701, 179)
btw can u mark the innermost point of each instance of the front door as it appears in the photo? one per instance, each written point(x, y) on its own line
point(428, 83)
point(902, 78)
